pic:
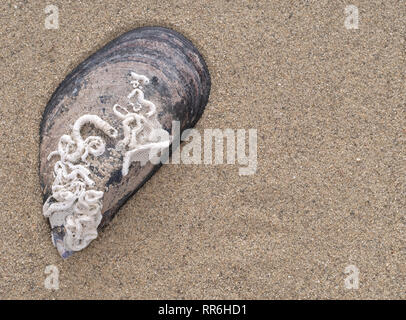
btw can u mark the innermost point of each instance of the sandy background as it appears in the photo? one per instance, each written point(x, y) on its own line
point(330, 190)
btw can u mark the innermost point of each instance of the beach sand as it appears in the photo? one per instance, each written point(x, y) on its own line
point(329, 107)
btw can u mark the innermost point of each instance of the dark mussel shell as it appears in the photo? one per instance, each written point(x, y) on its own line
point(102, 121)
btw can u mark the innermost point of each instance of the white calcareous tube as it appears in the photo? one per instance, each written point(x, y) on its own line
point(139, 142)
point(72, 203)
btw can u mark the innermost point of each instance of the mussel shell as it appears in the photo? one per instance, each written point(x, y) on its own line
point(179, 86)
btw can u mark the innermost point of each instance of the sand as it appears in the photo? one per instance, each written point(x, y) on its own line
point(330, 189)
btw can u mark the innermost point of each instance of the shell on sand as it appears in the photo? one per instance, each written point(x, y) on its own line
point(102, 122)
